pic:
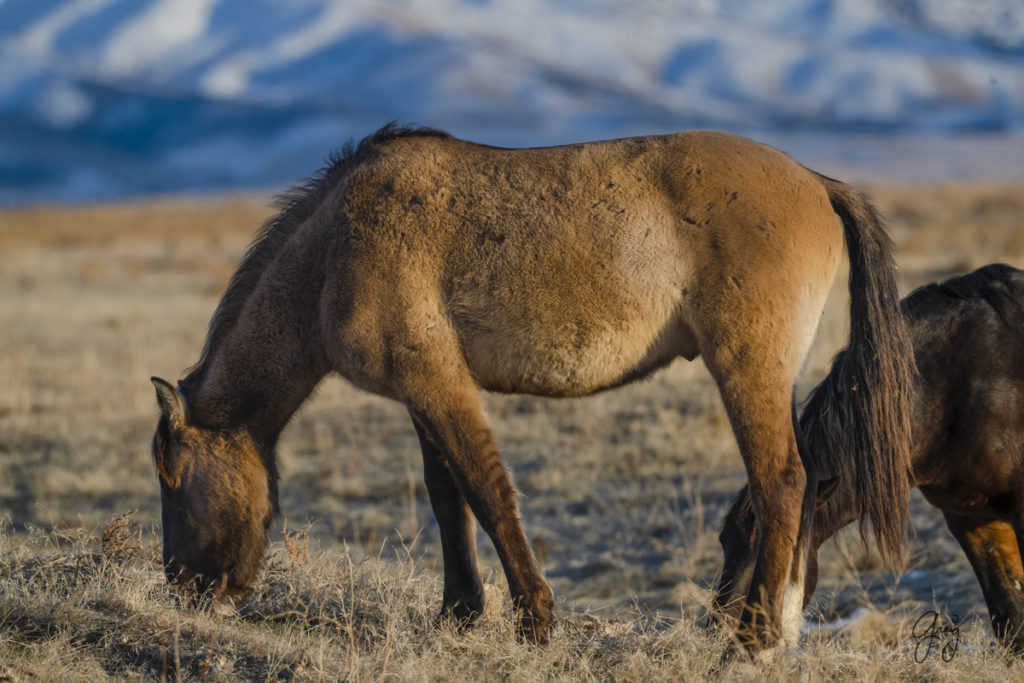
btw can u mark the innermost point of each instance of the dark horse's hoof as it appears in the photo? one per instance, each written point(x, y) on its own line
point(533, 630)
point(461, 614)
point(535, 623)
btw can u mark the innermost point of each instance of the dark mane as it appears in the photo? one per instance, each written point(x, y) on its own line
point(294, 206)
point(826, 418)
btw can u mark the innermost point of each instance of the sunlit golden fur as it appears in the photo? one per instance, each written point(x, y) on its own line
point(425, 268)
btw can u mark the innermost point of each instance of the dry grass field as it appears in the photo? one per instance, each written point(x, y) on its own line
point(622, 494)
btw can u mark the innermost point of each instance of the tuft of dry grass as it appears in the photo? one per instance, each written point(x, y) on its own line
point(622, 493)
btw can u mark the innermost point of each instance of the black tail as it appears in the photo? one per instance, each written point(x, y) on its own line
point(877, 377)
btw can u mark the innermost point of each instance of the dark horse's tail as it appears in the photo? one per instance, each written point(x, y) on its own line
point(873, 436)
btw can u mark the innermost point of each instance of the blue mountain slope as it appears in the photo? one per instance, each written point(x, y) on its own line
point(108, 98)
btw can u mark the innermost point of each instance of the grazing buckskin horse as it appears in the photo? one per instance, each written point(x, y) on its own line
point(968, 442)
point(425, 268)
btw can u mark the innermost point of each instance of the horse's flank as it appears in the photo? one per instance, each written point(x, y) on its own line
point(561, 271)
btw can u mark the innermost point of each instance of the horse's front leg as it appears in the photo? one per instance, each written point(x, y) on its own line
point(995, 557)
point(463, 593)
point(444, 401)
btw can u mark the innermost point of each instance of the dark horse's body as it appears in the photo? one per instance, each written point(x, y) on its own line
point(968, 440)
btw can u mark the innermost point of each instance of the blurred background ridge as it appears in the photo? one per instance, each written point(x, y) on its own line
point(103, 99)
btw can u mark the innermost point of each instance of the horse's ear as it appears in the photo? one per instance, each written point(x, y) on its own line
point(826, 489)
point(172, 403)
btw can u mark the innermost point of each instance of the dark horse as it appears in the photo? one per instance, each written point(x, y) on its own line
point(968, 441)
point(425, 268)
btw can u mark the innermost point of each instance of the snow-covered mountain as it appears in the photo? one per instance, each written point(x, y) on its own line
point(104, 98)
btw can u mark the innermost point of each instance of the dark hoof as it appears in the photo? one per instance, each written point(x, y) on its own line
point(534, 631)
point(461, 614)
point(535, 623)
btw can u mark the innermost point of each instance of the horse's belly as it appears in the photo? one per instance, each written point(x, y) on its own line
point(581, 360)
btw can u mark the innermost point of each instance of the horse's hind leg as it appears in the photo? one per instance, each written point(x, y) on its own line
point(463, 592)
point(444, 401)
point(782, 491)
point(755, 379)
point(994, 554)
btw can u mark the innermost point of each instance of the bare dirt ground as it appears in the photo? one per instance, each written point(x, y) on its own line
point(622, 494)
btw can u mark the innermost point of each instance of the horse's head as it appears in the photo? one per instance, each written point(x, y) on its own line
point(218, 497)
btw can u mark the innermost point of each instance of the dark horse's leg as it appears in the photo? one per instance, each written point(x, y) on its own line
point(994, 553)
point(444, 401)
point(463, 592)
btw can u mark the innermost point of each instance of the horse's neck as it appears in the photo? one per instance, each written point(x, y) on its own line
point(273, 356)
